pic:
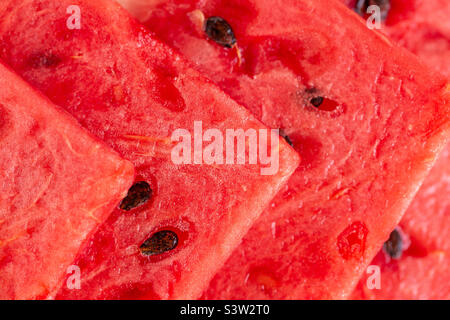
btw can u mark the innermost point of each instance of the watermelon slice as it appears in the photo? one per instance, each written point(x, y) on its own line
point(57, 185)
point(366, 117)
point(421, 270)
point(421, 26)
point(181, 221)
point(427, 220)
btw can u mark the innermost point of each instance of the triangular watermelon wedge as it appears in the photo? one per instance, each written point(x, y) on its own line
point(366, 117)
point(57, 185)
point(181, 221)
point(420, 270)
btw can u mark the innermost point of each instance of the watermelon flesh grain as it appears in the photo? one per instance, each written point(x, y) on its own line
point(422, 27)
point(134, 92)
point(58, 184)
point(361, 163)
point(422, 270)
point(427, 220)
point(411, 278)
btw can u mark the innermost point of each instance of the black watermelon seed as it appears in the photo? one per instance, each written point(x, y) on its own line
point(394, 245)
point(217, 29)
point(362, 5)
point(317, 101)
point(138, 195)
point(286, 137)
point(316, 98)
point(159, 242)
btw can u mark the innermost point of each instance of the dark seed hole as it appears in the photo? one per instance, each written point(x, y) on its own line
point(394, 245)
point(317, 101)
point(220, 31)
point(159, 242)
point(286, 137)
point(324, 104)
point(138, 195)
point(362, 5)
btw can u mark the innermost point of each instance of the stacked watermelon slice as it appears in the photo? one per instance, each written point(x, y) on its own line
point(423, 28)
point(269, 268)
point(181, 219)
point(365, 119)
point(58, 184)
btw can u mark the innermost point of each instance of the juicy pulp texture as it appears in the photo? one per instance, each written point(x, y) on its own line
point(365, 149)
point(134, 92)
point(423, 27)
point(412, 278)
point(422, 270)
point(427, 221)
point(57, 185)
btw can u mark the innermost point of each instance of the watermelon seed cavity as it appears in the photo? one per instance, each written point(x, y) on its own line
point(352, 241)
point(394, 245)
point(217, 29)
point(159, 242)
point(324, 104)
point(317, 101)
point(138, 195)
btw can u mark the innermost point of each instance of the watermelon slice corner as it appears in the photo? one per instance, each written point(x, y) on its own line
point(58, 185)
point(420, 270)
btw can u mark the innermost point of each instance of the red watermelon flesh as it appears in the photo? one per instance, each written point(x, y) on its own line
point(134, 92)
point(410, 278)
point(57, 185)
point(421, 26)
point(427, 221)
point(365, 149)
point(422, 270)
